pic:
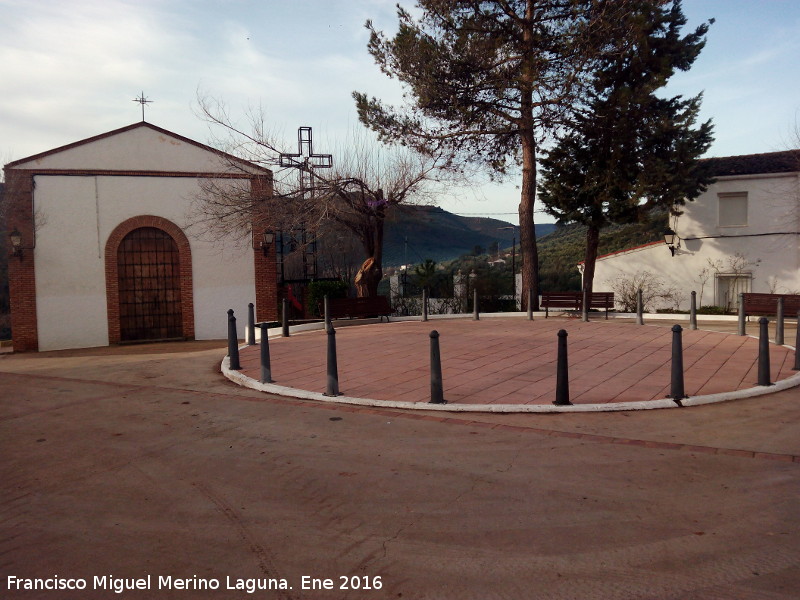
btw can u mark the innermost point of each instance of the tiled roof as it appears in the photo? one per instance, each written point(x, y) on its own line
point(631, 249)
point(787, 161)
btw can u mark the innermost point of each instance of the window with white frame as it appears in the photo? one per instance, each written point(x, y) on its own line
point(733, 209)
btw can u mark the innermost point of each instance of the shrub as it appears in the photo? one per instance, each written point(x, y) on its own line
point(713, 310)
point(626, 289)
point(407, 305)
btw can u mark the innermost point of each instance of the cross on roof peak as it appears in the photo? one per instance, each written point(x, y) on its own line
point(142, 100)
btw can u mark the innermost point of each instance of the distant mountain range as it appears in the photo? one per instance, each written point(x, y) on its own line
point(415, 233)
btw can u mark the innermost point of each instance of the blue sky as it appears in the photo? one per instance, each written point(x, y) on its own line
point(71, 68)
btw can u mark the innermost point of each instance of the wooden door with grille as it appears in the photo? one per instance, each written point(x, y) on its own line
point(149, 286)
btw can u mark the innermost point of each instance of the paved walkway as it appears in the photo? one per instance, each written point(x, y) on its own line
point(143, 460)
point(502, 361)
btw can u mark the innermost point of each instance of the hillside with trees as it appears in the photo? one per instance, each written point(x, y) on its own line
point(440, 235)
point(561, 251)
point(564, 248)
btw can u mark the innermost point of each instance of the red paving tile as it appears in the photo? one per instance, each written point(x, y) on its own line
point(513, 361)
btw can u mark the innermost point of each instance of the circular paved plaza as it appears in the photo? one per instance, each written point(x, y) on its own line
point(510, 363)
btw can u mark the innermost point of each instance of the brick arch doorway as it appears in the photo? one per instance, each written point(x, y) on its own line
point(149, 281)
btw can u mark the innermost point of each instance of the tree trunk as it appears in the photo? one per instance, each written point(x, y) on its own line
point(368, 278)
point(592, 243)
point(371, 271)
point(527, 228)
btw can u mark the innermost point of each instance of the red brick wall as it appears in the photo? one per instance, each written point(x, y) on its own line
point(112, 275)
point(266, 274)
point(21, 271)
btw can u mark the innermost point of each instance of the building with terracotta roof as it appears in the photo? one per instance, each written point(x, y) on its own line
point(741, 235)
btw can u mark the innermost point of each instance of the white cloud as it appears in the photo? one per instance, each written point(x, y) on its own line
point(71, 68)
point(70, 65)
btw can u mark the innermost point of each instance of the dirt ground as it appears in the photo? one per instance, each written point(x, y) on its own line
point(141, 465)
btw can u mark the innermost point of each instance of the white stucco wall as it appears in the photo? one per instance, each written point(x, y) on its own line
point(70, 269)
point(773, 259)
point(76, 215)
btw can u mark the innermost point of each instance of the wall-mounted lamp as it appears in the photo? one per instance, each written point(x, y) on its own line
point(268, 237)
point(672, 240)
point(16, 243)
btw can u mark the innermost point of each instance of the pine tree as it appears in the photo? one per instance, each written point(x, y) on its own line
point(630, 151)
point(487, 81)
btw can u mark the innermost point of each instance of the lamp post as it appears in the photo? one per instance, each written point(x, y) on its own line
point(669, 239)
point(513, 259)
point(472, 280)
point(268, 237)
point(16, 242)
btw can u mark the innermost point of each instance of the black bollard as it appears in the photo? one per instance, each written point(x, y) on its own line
point(230, 313)
point(693, 312)
point(585, 307)
point(266, 368)
point(530, 304)
point(677, 392)
point(327, 313)
point(639, 308)
point(779, 323)
point(562, 372)
point(437, 388)
point(333, 369)
point(763, 352)
point(797, 344)
point(475, 314)
point(424, 304)
point(741, 328)
point(285, 318)
point(251, 325)
point(233, 342)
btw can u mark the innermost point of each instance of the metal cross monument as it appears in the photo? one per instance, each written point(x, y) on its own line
point(305, 160)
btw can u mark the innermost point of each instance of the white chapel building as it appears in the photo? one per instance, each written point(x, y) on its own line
point(104, 250)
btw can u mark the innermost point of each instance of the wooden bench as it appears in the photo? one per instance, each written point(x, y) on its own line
point(354, 308)
point(767, 304)
point(574, 301)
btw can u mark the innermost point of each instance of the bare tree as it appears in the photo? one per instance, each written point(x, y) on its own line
point(654, 290)
point(703, 276)
point(366, 180)
point(339, 253)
